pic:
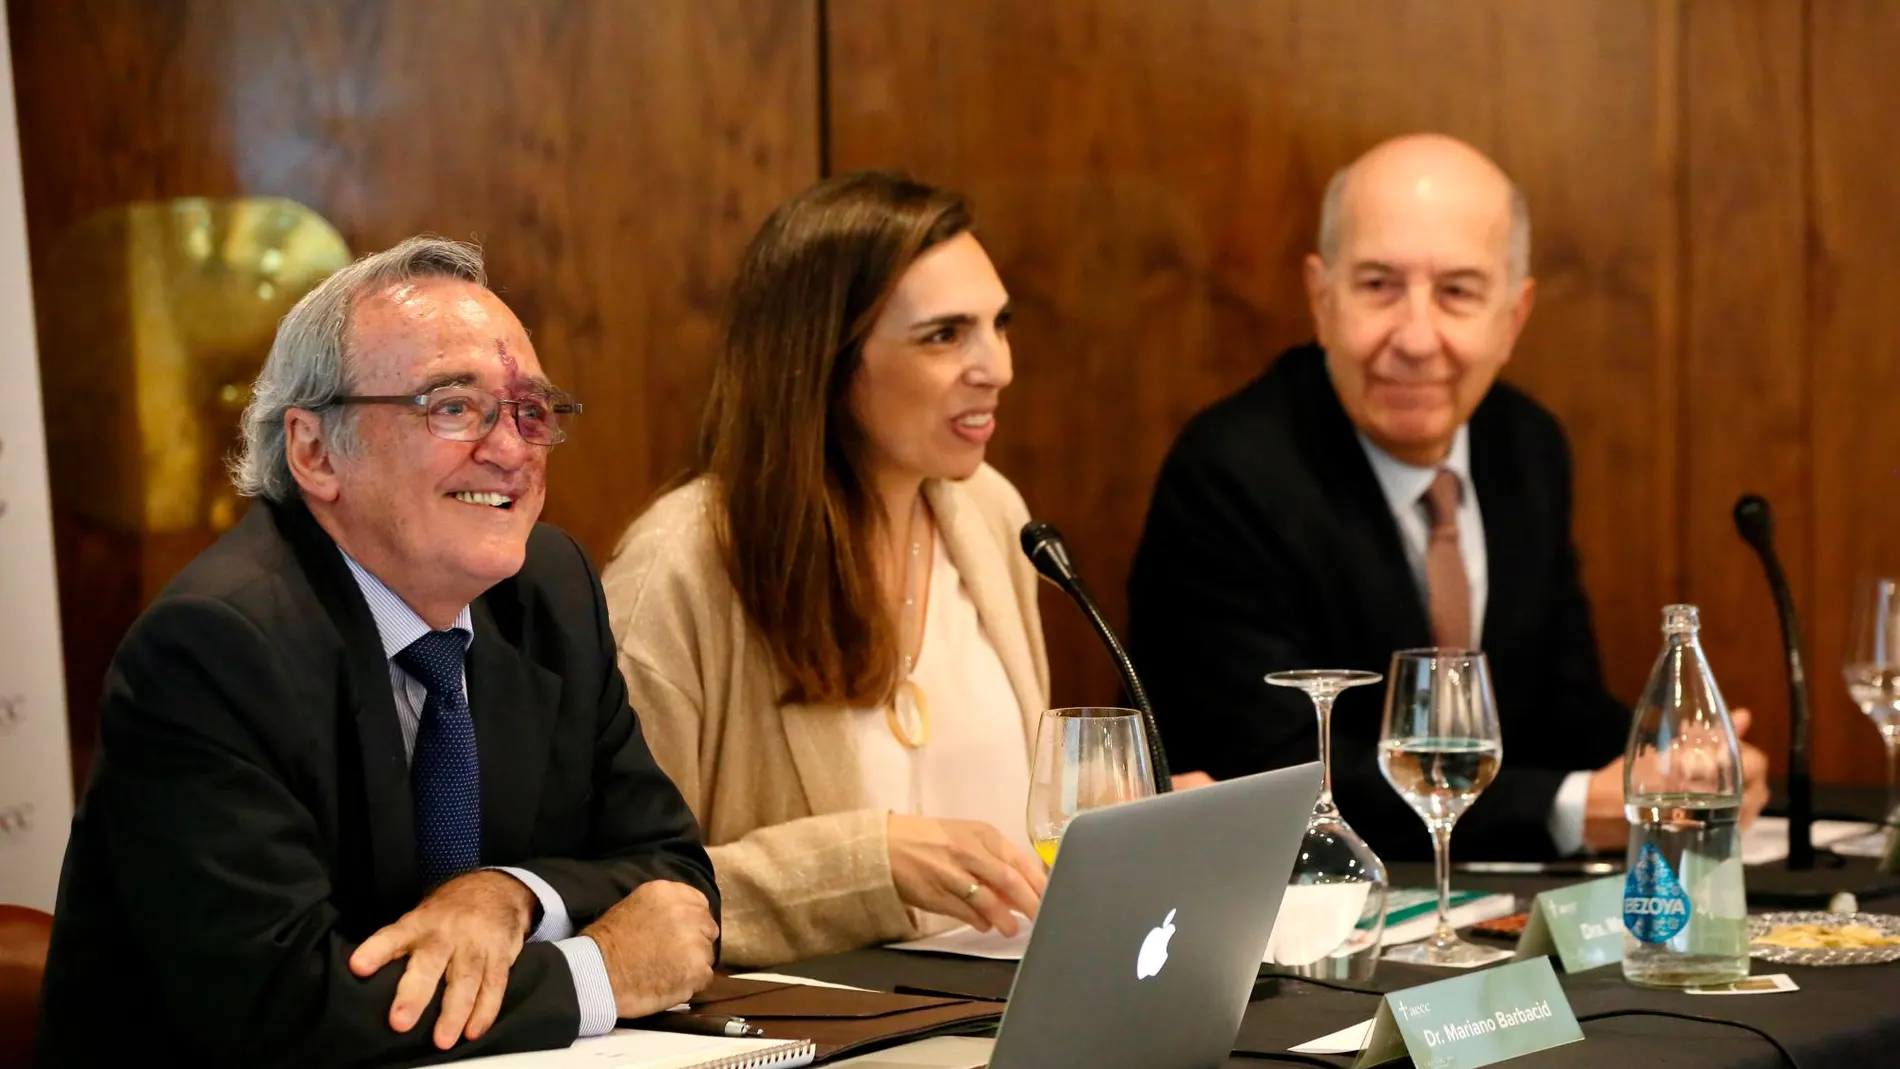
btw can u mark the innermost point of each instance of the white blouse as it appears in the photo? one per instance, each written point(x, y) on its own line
point(976, 764)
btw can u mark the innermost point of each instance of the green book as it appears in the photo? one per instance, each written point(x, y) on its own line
point(1411, 913)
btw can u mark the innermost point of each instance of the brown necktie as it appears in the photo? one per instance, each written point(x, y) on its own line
point(1447, 592)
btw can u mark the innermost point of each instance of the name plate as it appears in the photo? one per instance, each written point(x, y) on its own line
point(1582, 925)
point(1468, 1021)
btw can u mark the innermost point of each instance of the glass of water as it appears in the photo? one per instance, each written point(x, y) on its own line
point(1872, 667)
point(1439, 748)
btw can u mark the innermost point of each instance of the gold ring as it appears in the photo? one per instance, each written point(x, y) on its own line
point(971, 893)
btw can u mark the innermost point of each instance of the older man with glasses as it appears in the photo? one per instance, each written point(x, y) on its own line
point(368, 786)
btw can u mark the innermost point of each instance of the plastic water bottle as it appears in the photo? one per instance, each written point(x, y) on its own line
point(1684, 907)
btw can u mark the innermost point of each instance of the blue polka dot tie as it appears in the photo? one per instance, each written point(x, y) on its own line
point(443, 773)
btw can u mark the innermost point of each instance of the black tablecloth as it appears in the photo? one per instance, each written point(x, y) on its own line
point(1841, 1017)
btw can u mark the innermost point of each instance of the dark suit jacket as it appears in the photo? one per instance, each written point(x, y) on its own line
point(1270, 546)
point(249, 821)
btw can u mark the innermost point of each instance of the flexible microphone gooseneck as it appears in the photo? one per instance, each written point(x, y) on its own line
point(1044, 547)
point(1755, 522)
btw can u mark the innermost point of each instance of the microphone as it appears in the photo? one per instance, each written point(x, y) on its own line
point(1755, 522)
point(1811, 879)
point(1044, 547)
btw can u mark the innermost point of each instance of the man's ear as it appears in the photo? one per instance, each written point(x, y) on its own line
point(1319, 296)
point(310, 457)
point(1521, 306)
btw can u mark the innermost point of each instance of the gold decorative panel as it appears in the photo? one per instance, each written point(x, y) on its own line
point(156, 317)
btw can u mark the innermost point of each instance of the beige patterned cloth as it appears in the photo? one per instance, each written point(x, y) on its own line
point(803, 865)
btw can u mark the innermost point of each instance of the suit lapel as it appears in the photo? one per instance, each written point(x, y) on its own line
point(1376, 572)
point(1507, 518)
point(389, 805)
point(985, 574)
point(1382, 576)
point(388, 814)
point(514, 703)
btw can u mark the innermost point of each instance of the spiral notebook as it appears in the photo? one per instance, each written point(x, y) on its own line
point(632, 1048)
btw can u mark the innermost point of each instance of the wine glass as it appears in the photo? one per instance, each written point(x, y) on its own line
point(1084, 759)
point(1439, 747)
point(1872, 668)
point(1333, 915)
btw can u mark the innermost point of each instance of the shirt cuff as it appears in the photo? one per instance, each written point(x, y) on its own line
point(555, 923)
point(1566, 813)
point(593, 991)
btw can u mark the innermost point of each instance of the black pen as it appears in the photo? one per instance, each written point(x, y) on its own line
point(702, 1026)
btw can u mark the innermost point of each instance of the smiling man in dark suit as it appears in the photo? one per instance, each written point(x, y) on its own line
point(1380, 491)
point(368, 787)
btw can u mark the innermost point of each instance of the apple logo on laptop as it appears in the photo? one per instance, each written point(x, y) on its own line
point(1154, 949)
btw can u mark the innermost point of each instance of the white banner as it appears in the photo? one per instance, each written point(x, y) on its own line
point(36, 794)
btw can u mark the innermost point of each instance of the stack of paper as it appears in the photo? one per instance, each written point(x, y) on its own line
point(632, 1048)
point(1767, 839)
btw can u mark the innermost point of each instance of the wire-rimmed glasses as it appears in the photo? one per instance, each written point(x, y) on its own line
point(466, 414)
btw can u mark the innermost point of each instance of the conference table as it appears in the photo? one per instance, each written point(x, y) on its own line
point(1841, 1017)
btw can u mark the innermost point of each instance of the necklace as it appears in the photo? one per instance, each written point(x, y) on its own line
point(908, 713)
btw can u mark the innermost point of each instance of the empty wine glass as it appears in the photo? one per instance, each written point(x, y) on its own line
point(1084, 759)
point(1439, 747)
point(1872, 668)
point(1333, 916)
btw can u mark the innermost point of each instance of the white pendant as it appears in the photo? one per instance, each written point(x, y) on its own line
point(908, 715)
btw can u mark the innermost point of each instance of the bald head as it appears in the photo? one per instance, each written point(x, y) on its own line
point(1419, 289)
point(1429, 174)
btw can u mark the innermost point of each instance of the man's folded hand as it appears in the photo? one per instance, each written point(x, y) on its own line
point(658, 944)
point(470, 930)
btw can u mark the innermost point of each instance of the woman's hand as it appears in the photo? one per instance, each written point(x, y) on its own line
point(964, 869)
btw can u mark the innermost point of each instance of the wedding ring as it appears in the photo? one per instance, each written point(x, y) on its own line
point(971, 893)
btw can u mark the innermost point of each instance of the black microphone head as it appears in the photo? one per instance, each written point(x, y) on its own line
point(1755, 521)
point(1044, 547)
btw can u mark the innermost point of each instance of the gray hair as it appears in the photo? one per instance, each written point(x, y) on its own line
point(308, 367)
point(1517, 256)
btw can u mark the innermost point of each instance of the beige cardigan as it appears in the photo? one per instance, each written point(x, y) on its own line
point(803, 869)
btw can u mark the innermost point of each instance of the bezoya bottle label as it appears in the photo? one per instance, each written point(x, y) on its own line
point(1655, 907)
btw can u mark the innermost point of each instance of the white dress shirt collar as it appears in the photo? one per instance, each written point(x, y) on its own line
point(1404, 484)
point(396, 623)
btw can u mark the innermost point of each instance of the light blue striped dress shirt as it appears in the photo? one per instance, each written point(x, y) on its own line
point(398, 626)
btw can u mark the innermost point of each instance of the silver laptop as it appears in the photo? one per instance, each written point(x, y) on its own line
point(1150, 935)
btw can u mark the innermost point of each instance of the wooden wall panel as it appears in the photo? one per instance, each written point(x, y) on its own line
point(1147, 178)
point(1584, 96)
point(87, 142)
point(1713, 193)
point(1746, 402)
point(612, 157)
point(1854, 344)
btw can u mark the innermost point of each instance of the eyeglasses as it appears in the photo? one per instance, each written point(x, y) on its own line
point(465, 414)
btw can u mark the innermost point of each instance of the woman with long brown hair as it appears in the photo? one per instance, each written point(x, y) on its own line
point(829, 634)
